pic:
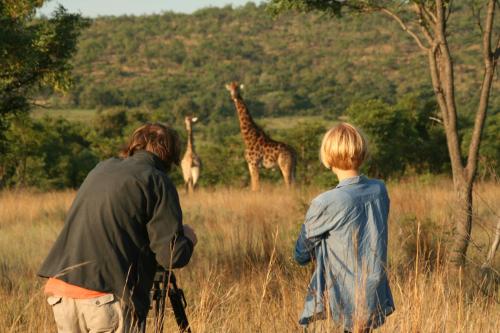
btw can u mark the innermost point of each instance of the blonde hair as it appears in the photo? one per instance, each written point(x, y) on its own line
point(343, 147)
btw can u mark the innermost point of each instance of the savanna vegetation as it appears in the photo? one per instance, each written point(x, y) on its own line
point(162, 67)
point(242, 277)
point(302, 73)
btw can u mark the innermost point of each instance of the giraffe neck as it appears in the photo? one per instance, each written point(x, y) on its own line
point(247, 125)
point(190, 141)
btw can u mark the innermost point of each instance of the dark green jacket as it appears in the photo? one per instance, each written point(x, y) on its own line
point(125, 219)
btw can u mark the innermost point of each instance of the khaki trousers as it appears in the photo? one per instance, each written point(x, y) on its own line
point(103, 314)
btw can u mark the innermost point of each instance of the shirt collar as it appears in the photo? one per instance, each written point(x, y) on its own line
point(351, 180)
point(145, 155)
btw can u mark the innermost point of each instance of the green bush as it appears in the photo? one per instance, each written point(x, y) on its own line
point(402, 138)
point(47, 153)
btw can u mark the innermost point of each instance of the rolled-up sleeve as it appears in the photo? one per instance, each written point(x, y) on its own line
point(304, 248)
point(305, 245)
point(172, 249)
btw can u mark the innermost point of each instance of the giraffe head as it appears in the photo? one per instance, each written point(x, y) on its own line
point(234, 88)
point(189, 120)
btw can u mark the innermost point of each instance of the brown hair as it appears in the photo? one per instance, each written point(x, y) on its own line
point(343, 147)
point(158, 139)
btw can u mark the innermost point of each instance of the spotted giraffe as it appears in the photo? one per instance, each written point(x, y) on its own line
point(190, 163)
point(260, 148)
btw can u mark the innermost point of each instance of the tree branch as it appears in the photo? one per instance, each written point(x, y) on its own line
point(429, 13)
point(448, 11)
point(437, 120)
point(488, 33)
point(405, 28)
point(436, 82)
point(476, 13)
point(425, 20)
point(489, 69)
point(445, 67)
point(42, 106)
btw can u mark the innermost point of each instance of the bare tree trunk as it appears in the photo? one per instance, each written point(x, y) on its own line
point(441, 68)
point(463, 222)
point(432, 20)
point(465, 183)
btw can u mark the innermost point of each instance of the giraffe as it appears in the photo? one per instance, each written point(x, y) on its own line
point(260, 149)
point(190, 163)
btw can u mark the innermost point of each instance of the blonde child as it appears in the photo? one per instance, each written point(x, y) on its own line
point(345, 233)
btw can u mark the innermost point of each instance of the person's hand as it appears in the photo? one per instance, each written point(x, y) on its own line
point(190, 234)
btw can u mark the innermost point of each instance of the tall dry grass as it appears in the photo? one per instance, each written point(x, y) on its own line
point(242, 277)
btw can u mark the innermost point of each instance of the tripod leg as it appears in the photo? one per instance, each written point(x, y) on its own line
point(159, 308)
point(163, 299)
point(142, 326)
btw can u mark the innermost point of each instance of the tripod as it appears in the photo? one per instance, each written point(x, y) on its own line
point(165, 284)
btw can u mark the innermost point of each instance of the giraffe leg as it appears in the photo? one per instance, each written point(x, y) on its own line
point(286, 163)
point(254, 176)
point(190, 187)
point(195, 173)
point(186, 173)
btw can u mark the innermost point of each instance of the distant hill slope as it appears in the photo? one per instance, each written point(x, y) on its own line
point(292, 65)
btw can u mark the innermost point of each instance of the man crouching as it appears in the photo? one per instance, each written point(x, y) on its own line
point(125, 219)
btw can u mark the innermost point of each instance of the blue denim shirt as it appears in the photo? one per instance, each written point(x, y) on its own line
point(345, 233)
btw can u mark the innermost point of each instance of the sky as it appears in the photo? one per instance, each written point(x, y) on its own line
point(95, 8)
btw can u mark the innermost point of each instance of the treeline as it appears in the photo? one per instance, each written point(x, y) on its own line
point(53, 153)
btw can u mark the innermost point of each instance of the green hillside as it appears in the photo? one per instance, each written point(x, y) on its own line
point(291, 65)
point(302, 73)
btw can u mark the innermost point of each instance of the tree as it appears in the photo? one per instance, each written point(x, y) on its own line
point(48, 153)
point(427, 22)
point(34, 53)
point(401, 137)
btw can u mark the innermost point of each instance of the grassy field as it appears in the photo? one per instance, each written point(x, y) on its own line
point(281, 123)
point(242, 277)
point(87, 116)
point(81, 115)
